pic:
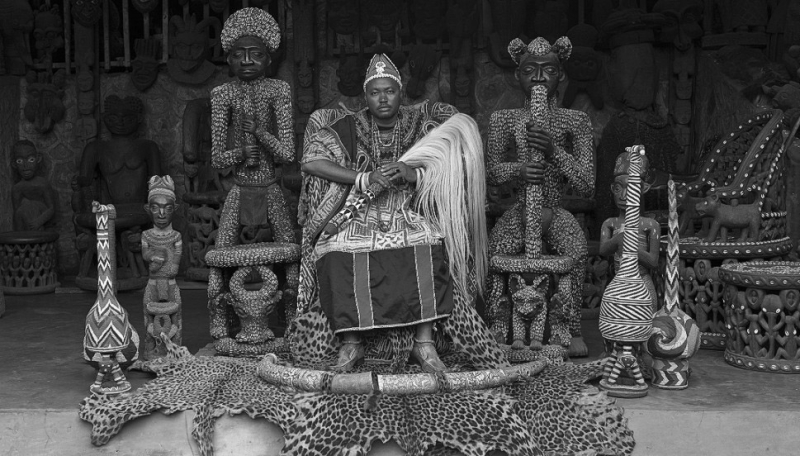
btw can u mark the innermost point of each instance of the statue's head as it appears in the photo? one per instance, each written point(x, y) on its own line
point(540, 63)
point(248, 37)
point(619, 188)
point(383, 14)
point(145, 65)
point(122, 116)
point(145, 6)
point(87, 12)
point(382, 87)
point(48, 30)
point(189, 41)
point(25, 159)
point(161, 201)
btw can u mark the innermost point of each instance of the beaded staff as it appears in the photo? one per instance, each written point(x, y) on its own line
point(533, 192)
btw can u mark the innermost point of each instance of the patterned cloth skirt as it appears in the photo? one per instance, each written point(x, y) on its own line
point(386, 268)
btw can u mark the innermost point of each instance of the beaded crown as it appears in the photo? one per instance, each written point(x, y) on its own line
point(562, 48)
point(250, 22)
point(381, 66)
point(161, 185)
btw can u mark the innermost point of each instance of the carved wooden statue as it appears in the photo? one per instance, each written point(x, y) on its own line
point(563, 160)
point(162, 248)
point(122, 165)
point(33, 197)
point(251, 132)
point(189, 49)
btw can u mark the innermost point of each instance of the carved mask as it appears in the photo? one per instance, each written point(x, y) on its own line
point(304, 74)
point(218, 6)
point(145, 65)
point(343, 16)
point(583, 65)
point(305, 101)
point(44, 106)
point(384, 14)
point(189, 41)
point(87, 12)
point(48, 32)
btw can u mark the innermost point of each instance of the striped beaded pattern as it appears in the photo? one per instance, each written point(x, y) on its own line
point(626, 312)
point(107, 326)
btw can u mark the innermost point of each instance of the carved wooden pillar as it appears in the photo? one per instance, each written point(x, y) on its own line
point(9, 131)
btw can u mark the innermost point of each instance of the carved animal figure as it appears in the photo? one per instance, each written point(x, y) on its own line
point(687, 211)
point(530, 310)
point(744, 216)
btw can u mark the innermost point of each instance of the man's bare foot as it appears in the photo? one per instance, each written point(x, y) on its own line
point(578, 348)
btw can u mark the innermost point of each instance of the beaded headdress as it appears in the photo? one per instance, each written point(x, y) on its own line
point(161, 185)
point(382, 67)
point(562, 48)
point(251, 22)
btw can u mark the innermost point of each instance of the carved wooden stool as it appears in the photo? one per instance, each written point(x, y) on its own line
point(239, 316)
point(28, 262)
point(762, 315)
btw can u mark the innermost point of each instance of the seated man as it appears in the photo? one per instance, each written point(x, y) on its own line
point(393, 256)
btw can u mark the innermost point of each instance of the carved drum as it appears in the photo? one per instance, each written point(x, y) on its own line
point(28, 262)
point(762, 315)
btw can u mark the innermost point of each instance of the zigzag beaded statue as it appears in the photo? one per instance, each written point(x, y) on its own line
point(626, 314)
point(109, 336)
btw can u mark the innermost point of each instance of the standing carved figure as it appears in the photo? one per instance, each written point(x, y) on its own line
point(626, 313)
point(567, 150)
point(251, 124)
point(162, 248)
point(109, 339)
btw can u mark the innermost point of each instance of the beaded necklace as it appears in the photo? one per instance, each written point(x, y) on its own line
point(376, 152)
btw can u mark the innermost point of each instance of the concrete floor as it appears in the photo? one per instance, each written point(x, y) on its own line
point(43, 377)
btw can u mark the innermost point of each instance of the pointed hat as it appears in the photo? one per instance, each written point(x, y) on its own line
point(382, 66)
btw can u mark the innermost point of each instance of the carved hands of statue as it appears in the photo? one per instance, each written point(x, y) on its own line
point(249, 125)
point(532, 173)
point(399, 172)
point(252, 155)
point(539, 138)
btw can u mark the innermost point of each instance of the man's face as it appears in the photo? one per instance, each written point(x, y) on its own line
point(161, 209)
point(26, 160)
point(535, 70)
point(383, 100)
point(249, 58)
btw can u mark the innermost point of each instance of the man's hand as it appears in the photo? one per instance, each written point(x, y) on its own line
point(252, 155)
point(249, 125)
point(532, 173)
point(539, 139)
point(399, 172)
point(377, 176)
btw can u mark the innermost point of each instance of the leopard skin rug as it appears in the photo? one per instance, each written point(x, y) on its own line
point(554, 413)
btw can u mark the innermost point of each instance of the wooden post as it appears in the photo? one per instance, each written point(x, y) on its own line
point(126, 33)
point(164, 31)
point(106, 43)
